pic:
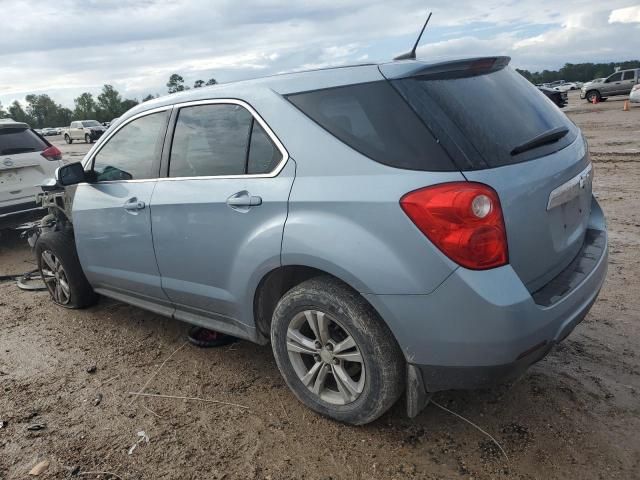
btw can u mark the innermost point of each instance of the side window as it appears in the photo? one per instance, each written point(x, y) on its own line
point(616, 77)
point(132, 152)
point(220, 140)
point(264, 156)
point(630, 75)
point(210, 140)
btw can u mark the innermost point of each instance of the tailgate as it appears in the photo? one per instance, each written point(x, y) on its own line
point(501, 131)
point(546, 205)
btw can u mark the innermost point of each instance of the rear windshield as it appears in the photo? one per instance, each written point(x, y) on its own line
point(485, 117)
point(373, 119)
point(20, 140)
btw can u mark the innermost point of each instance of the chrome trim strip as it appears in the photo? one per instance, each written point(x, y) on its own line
point(570, 189)
point(5, 215)
point(232, 101)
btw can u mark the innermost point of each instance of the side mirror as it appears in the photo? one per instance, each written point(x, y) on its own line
point(70, 174)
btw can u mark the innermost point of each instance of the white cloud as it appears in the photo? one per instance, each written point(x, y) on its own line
point(625, 15)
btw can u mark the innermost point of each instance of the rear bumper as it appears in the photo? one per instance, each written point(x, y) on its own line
point(481, 328)
point(14, 215)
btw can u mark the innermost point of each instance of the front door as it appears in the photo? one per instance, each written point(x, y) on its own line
point(612, 85)
point(111, 215)
point(218, 218)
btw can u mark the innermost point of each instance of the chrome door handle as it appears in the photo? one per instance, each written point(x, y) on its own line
point(134, 204)
point(244, 199)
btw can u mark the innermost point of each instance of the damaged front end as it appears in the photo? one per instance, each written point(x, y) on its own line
point(57, 201)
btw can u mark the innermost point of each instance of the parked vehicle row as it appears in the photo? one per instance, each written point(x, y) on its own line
point(397, 227)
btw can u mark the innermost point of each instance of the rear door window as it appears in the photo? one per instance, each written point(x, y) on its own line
point(220, 140)
point(20, 140)
point(482, 118)
point(630, 75)
point(374, 120)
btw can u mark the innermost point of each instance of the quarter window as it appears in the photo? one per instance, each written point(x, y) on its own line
point(134, 151)
point(263, 154)
point(220, 140)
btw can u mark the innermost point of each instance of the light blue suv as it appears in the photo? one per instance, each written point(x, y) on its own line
point(403, 227)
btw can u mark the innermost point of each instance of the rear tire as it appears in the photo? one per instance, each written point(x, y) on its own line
point(67, 139)
point(354, 371)
point(60, 268)
point(593, 94)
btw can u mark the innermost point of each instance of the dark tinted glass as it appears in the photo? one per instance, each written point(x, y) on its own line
point(131, 153)
point(210, 140)
point(614, 78)
point(630, 75)
point(264, 156)
point(20, 140)
point(374, 120)
point(486, 116)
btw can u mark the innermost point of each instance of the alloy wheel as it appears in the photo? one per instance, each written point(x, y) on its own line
point(55, 278)
point(325, 357)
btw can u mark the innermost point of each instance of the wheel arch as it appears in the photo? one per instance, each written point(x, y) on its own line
point(279, 281)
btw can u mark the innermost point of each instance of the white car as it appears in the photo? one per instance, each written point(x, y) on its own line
point(26, 161)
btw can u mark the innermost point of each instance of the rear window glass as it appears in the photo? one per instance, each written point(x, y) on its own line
point(373, 119)
point(486, 116)
point(20, 140)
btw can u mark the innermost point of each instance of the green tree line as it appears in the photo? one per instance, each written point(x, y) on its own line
point(41, 111)
point(578, 72)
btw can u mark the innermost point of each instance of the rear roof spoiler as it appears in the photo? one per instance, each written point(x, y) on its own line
point(452, 69)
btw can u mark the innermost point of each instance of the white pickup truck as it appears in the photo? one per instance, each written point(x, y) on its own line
point(87, 130)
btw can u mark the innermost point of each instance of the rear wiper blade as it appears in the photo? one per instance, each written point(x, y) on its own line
point(545, 138)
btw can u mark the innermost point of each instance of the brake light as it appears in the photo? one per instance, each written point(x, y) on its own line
point(464, 220)
point(52, 153)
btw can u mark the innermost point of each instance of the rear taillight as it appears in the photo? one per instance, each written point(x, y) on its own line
point(464, 220)
point(52, 153)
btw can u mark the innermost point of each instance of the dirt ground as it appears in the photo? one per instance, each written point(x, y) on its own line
point(574, 415)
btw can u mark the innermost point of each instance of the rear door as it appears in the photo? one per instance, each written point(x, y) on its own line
point(111, 216)
point(503, 132)
point(22, 166)
point(219, 216)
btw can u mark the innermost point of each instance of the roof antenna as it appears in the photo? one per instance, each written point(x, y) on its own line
point(412, 54)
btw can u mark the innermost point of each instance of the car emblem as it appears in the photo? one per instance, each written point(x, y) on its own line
point(8, 162)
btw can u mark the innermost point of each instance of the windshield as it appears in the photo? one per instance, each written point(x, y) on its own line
point(90, 123)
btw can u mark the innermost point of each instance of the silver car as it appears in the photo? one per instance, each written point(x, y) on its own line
point(619, 83)
point(403, 227)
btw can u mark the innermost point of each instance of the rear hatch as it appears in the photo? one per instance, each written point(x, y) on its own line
point(501, 131)
point(22, 167)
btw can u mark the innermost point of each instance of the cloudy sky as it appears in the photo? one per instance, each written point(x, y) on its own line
point(66, 47)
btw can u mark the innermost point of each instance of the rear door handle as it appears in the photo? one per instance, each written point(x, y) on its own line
point(243, 200)
point(133, 205)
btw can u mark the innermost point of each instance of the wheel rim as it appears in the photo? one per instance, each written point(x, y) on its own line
point(325, 357)
point(55, 278)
